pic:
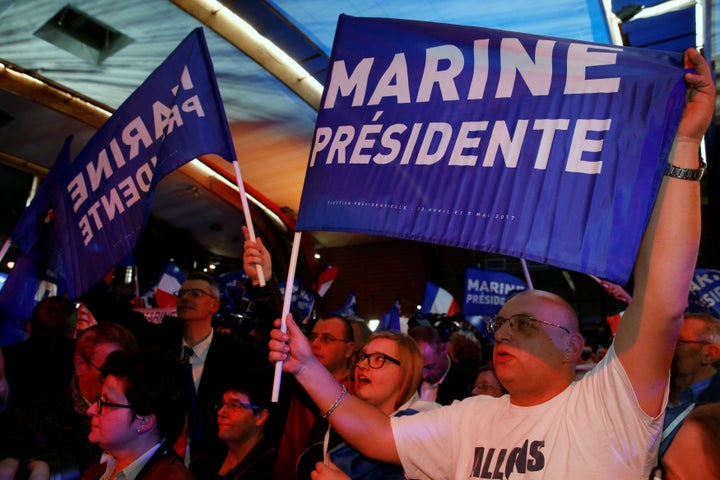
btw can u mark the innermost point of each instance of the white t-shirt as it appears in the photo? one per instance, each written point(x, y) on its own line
point(594, 429)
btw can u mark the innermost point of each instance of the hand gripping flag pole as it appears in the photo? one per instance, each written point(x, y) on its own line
point(286, 309)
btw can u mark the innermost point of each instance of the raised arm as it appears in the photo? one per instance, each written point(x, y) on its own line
point(359, 423)
point(649, 328)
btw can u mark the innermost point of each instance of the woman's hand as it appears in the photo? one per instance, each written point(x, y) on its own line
point(328, 471)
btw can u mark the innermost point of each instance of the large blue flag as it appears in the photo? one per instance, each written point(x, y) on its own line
point(38, 270)
point(174, 116)
point(486, 291)
point(534, 147)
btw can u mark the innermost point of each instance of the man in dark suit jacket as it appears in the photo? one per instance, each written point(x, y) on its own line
point(444, 380)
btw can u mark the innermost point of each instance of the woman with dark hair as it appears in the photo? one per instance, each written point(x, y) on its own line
point(388, 371)
point(137, 416)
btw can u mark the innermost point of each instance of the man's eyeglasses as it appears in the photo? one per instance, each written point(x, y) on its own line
point(236, 406)
point(193, 293)
point(325, 338)
point(374, 360)
point(102, 404)
point(699, 342)
point(521, 323)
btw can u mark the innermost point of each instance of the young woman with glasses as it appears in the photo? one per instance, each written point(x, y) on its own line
point(388, 372)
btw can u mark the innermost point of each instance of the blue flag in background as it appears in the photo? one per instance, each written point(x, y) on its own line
point(33, 232)
point(349, 309)
point(486, 291)
point(302, 299)
point(390, 320)
point(38, 271)
point(705, 292)
point(535, 147)
point(174, 116)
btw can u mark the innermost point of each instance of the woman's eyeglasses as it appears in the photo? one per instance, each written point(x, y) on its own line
point(102, 404)
point(374, 360)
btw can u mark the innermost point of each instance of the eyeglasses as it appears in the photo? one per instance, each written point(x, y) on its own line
point(84, 358)
point(236, 406)
point(699, 342)
point(521, 323)
point(325, 338)
point(102, 403)
point(193, 292)
point(374, 360)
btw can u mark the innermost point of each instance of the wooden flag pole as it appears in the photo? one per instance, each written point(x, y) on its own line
point(286, 309)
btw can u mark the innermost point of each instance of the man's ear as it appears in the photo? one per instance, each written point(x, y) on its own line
point(574, 345)
point(349, 349)
point(711, 353)
point(145, 422)
point(261, 416)
point(80, 365)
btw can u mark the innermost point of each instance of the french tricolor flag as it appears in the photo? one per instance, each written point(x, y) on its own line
point(170, 281)
point(325, 279)
point(439, 300)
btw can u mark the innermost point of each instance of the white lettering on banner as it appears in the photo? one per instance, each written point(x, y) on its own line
point(701, 281)
point(439, 140)
point(712, 297)
point(498, 288)
point(475, 299)
point(125, 195)
point(514, 59)
point(432, 142)
point(134, 138)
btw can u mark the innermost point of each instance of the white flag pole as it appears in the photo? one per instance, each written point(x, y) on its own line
point(4, 249)
point(248, 219)
point(286, 309)
point(528, 280)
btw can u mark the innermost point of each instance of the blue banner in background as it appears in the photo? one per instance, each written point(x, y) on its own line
point(486, 291)
point(535, 147)
point(705, 292)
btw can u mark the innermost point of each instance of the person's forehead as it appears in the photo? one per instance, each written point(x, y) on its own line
point(196, 283)
point(333, 326)
point(381, 345)
point(691, 325)
point(113, 387)
point(235, 395)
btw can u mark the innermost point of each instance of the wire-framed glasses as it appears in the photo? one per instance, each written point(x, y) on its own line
point(374, 360)
point(522, 323)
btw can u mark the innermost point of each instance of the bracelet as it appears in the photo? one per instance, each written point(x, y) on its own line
point(336, 404)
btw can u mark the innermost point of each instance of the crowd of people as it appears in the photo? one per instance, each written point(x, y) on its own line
point(100, 393)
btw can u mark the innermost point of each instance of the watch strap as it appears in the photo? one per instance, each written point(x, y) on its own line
point(693, 174)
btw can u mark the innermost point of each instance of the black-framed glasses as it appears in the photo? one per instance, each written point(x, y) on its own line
point(102, 404)
point(193, 293)
point(86, 360)
point(521, 323)
point(325, 338)
point(374, 360)
point(235, 405)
